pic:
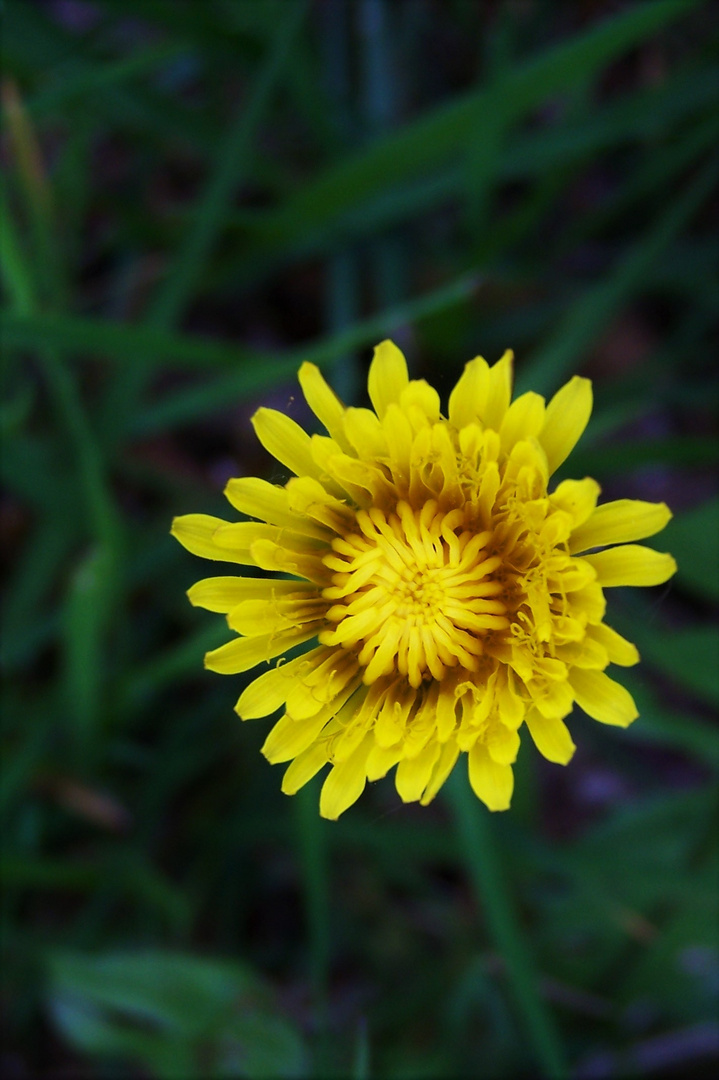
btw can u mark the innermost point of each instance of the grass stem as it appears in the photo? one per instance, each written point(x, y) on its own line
point(493, 895)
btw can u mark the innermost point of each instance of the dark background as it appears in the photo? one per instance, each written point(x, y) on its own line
point(197, 196)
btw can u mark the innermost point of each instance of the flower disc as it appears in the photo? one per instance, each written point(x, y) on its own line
point(451, 597)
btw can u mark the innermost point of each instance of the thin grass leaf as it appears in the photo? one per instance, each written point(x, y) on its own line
point(654, 172)
point(548, 155)
point(659, 724)
point(32, 43)
point(82, 84)
point(230, 162)
point(687, 656)
point(37, 198)
point(251, 372)
point(643, 116)
point(693, 538)
point(130, 876)
point(14, 264)
point(483, 867)
point(85, 626)
point(149, 678)
point(122, 341)
point(361, 1064)
point(687, 451)
point(580, 327)
point(313, 843)
point(28, 613)
point(430, 142)
point(254, 379)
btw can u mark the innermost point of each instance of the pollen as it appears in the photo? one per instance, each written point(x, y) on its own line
point(430, 594)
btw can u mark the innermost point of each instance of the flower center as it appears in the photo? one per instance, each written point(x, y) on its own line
point(415, 593)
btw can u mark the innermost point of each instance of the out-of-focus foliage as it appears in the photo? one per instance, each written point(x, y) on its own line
point(196, 196)
point(176, 1014)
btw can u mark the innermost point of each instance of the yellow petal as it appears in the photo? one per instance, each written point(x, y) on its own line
point(224, 593)
point(602, 698)
point(323, 401)
point(330, 695)
point(241, 535)
point(345, 782)
point(503, 744)
point(446, 720)
point(631, 564)
point(324, 452)
point(307, 497)
point(570, 575)
point(259, 499)
point(523, 419)
point(253, 617)
point(364, 481)
point(270, 690)
point(420, 396)
point(442, 769)
point(286, 441)
point(554, 699)
point(551, 737)
point(381, 759)
point(586, 653)
point(577, 498)
point(244, 653)
point(619, 650)
point(470, 393)
point(196, 532)
point(567, 416)
point(387, 376)
point(588, 603)
point(347, 741)
point(499, 392)
point(510, 704)
point(273, 556)
point(399, 436)
point(620, 521)
point(491, 782)
point(365, 433)
point(289, 737)
point(392, 716)
point(413, 774)
point(304, 767)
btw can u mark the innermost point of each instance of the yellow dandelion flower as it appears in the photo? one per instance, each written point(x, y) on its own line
point(451, 598)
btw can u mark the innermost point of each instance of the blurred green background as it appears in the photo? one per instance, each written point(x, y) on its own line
point(197, 195)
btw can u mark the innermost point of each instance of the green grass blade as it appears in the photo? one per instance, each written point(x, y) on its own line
point(83, 83)
point(253, 379)
point(693, 539)
point(662, 725)
point(314, 864)
point(33, 43)
point(269, 237)
point(361, 1064)
point(444, 135)
point(173, 663)
point(251, 372)
point(585, 320)
point(121, 341)
point(209, 215)
point(84, 631)
point(13, 263)
point(475, 827)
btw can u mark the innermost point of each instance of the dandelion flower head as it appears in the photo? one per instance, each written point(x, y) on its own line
point(444, 598)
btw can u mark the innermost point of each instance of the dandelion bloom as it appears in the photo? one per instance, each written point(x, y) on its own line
point(448, 597)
